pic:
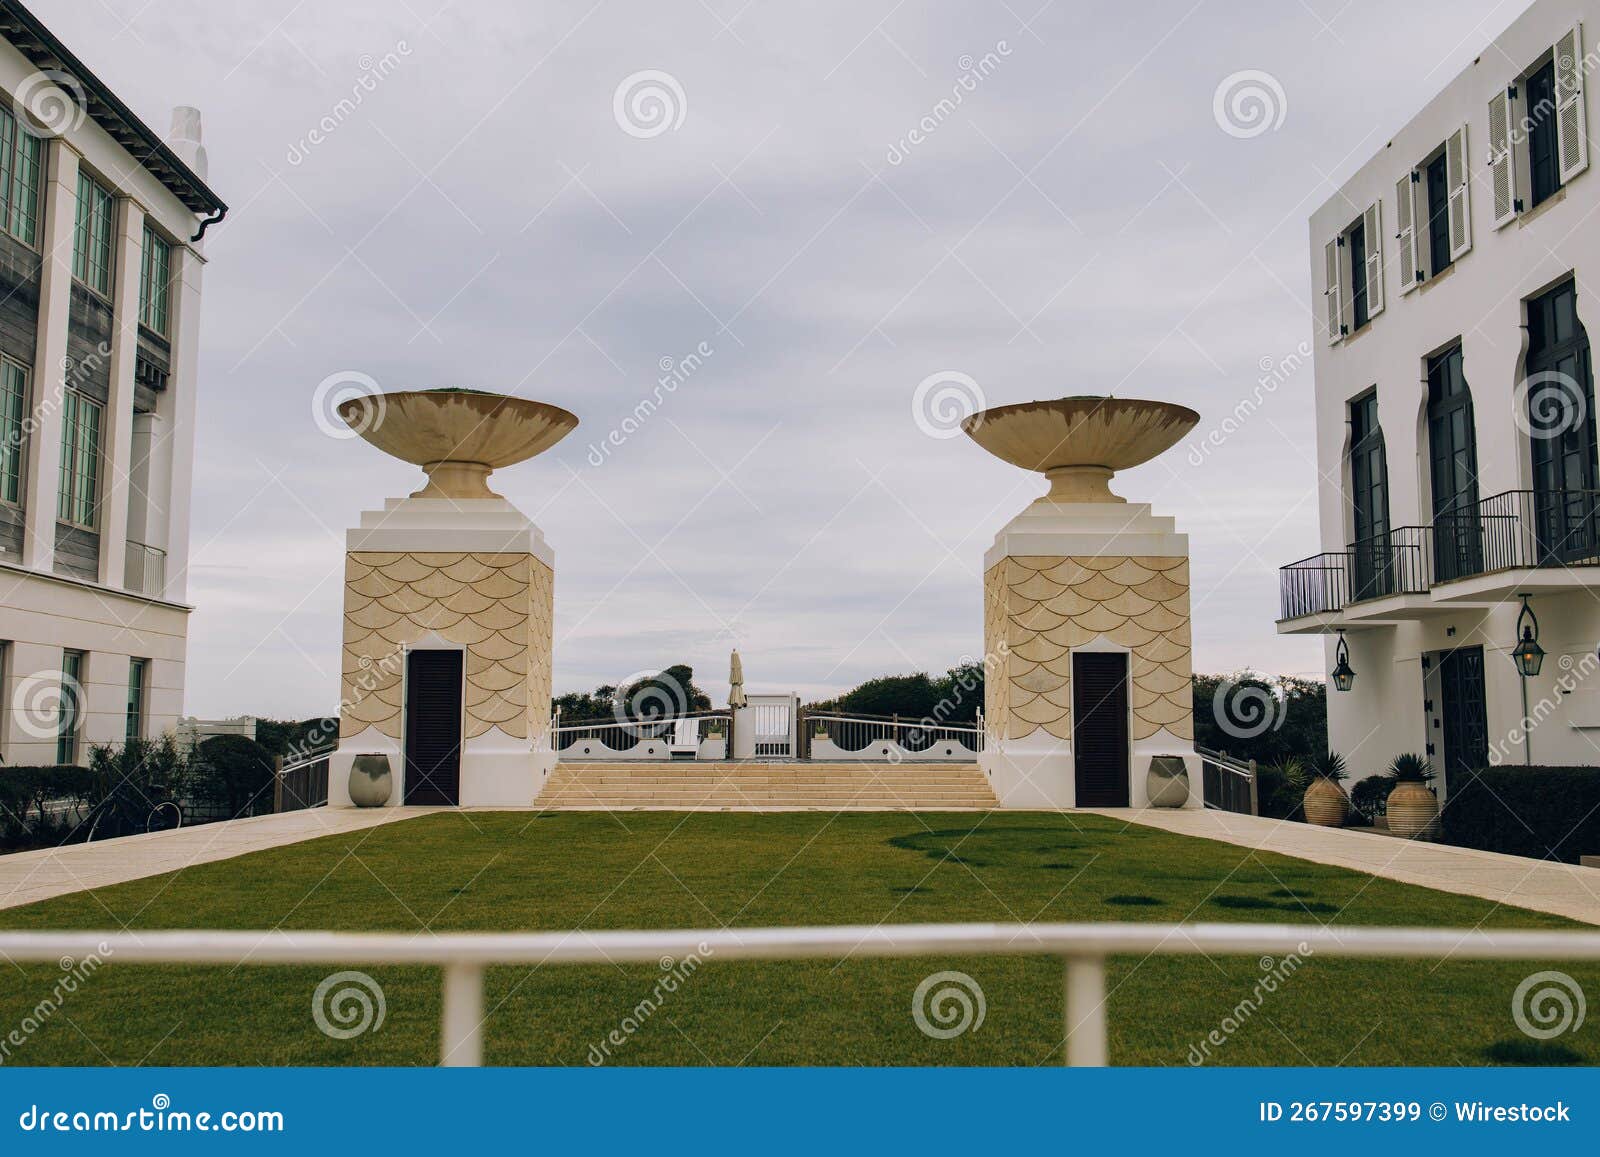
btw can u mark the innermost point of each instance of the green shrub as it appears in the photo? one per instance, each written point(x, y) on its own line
point(1370, 797)
point(1279, 788)
point(233, 770)
point(1548, 813)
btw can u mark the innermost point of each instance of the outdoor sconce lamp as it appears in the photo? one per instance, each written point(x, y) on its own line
point(1527, 654)
point(1343, 675)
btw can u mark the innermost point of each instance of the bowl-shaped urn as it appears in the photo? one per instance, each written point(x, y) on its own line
point(1079, 443)
point(457, 436)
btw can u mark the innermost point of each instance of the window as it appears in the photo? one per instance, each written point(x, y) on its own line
point(138, 673)
point(1438, 216)
point(1357, 241)
point(1453, 469)
point(71, 714)
point(91, 247)
point(21, 162)
point(1559, 399)
point(154, 282)
point(1538, 129)
point(1544, 170)
point(1369, 499)
point(1433, 220)
point(13, 404)
point(78, 498)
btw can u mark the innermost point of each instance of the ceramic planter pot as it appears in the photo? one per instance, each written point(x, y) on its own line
point(371, 782)
point(1167, 781)
point(1413, 811)
point(1325, 804)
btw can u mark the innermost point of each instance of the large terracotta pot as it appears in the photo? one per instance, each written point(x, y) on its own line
point(1167, 781)
point(1326, 805)
point(371, 782)
point(1413, 811)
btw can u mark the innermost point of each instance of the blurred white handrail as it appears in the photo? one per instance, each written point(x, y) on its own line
point(1082, 947)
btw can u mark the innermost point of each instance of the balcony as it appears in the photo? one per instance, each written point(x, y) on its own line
point(1518, 540)
point(145, 570)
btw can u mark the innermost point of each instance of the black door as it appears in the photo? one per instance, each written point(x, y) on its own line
point(1100, 728)
point(433, 727)
point(1466, 726)
point(1560, 401)
point(1369, 498)
point(1453, 462)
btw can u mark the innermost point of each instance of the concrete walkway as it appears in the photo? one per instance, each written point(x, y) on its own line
point(29, 876)
point(1542, 885)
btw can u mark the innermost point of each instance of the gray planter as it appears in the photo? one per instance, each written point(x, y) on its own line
point(1167, 782)
point(371, 782)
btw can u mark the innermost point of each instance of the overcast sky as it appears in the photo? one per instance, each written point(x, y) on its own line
point(482, 212)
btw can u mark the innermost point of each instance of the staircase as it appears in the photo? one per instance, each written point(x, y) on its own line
point(709, 786)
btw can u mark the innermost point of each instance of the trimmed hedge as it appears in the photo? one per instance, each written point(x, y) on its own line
point(1547, 813)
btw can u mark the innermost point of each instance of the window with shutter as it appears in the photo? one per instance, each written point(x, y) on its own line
point(1502, 159)
point(1334, 298)
point(1405, 237)
point(1455, 153)
point(1372, 228)
point(1572, 137)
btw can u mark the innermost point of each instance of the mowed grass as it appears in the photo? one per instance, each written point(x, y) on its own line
point(480, 871)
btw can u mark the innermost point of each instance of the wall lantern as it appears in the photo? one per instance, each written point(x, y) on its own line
point(1343, 675)
point(1527, 654)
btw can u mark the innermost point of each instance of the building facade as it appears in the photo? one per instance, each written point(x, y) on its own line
point(100, 270)
point(1457, 281)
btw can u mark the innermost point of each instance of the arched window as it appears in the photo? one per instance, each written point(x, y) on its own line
point(1453, 470)
point(1560, 401)
point(1369, 499)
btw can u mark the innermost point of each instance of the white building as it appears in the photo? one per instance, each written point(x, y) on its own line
point(99, 331)
point(1458, 275)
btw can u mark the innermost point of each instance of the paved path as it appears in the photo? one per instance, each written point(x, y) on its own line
point(29, 876)
point(1545, 886)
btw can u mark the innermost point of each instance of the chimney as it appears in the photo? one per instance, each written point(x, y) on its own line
point(184, 139)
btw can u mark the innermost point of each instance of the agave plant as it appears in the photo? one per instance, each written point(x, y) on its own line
point(1293, 770)
point(1410, 768)
point(1329, 766)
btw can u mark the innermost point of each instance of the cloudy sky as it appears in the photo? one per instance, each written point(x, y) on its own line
point(482, 210)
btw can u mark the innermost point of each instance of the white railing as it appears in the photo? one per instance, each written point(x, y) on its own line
point(879, 737)
point(144, 569)
point(1083, 949)
point(703, 732)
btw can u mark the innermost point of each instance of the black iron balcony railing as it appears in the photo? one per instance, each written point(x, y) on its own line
point(1515, 530)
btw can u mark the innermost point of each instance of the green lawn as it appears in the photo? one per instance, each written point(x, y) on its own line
point(634, 870)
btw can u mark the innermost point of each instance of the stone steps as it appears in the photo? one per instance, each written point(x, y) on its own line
point(718, 786)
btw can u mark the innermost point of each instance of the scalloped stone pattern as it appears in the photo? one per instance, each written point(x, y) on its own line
point(498, 606)
point(1041, 607)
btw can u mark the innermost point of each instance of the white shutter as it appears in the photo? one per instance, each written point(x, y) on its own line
point(1502, 159)
point(1405, 237)
point(1572, 127)
point(1334, 297)
point(1459, 186)
point(1372, 226)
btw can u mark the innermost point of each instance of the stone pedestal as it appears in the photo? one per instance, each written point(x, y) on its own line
point(472, 575)
point(1065, 577)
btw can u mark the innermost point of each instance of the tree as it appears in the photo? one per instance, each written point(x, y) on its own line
point(1255, 717)
point(234, 770)
point(669, 692)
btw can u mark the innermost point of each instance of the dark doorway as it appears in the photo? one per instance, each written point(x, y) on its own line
point(1466, 726)
point(1560, 401)
point(1453, 469)
point(433, 727)
point(1544, 163)
point(1369, 498)
point(1358, 274)
point(1100, 728)
point(1438, 201)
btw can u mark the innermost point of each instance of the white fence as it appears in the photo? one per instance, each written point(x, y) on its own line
point(1083, 949)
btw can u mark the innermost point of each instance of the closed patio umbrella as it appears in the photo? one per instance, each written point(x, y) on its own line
point(736, 681)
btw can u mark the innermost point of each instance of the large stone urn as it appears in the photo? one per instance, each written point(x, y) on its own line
point(1086, 612)
point(448, 606)
point(1325, 803)
point(371, 781)
point(1412, 810)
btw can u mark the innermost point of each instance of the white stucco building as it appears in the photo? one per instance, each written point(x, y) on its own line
point(1455, 279)
point(100, 221)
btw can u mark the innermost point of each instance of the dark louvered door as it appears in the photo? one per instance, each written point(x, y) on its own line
point(1100, 728)
point(1466, 723)
point(433, 727)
